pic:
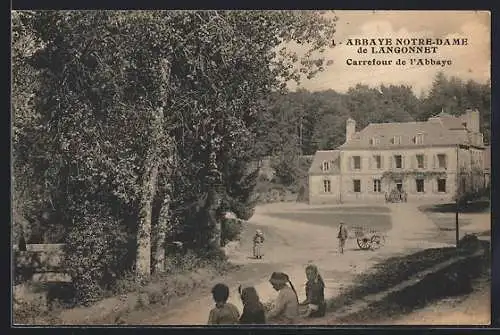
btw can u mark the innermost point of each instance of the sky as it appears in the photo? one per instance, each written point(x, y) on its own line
point(468, 62)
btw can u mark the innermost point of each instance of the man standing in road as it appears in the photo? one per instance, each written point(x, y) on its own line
point(342, 236)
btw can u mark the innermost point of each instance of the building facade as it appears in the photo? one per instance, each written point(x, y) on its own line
point(432, 159)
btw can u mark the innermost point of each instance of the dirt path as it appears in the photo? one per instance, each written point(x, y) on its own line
point(291, 245)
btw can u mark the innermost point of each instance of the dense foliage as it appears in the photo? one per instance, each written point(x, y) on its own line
point(302, 122)
point(118, 114)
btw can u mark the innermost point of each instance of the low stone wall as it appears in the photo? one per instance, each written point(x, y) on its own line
point(40, 263)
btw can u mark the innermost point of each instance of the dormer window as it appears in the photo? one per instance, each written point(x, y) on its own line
point(325, 166)
point(374, 141)
point(419, 139)
point(396, 140)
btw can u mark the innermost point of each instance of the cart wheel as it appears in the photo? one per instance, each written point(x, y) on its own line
point(364, 243)
point(377, 241)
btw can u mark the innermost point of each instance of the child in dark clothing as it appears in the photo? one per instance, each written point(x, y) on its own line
point(224, 313)
point(253, 310)
point(315, 293)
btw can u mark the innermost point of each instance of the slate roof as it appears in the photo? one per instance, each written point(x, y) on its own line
point(332, 156)
point(440, 130)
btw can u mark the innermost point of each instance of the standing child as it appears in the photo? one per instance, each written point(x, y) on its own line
point(224, 313)
point(253, 310)
point(315, 293)
point(342, 236)
point(258, 241)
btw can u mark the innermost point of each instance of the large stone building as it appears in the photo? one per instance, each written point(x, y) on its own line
point(430, 159)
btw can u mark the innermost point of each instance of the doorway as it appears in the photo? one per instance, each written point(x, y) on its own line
point(399, 185)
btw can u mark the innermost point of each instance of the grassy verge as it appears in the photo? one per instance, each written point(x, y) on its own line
point(390, 273)
point(453, 281)
point(185, 275)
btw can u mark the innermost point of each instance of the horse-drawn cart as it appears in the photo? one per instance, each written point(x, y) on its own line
point(368, 238)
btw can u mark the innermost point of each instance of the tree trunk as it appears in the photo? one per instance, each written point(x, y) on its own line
point(213, 221)
point(150, 182)
point(160, 234)
point(143, 257)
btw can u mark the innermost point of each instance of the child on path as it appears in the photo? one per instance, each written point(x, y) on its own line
point(258, 241)
point(253, 310)
point(315, 293)
point(342, 236)
point(286, 307)
point(224, 313)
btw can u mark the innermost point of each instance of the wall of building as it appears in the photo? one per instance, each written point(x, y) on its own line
point(369, 172)
point(317, 194)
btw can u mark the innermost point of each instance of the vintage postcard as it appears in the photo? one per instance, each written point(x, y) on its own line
point(225, 167)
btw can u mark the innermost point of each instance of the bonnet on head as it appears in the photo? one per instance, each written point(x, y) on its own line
point(279, 278)
point(282, 278)
point(315, 273)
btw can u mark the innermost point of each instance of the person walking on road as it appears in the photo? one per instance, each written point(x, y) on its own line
point(342, 236)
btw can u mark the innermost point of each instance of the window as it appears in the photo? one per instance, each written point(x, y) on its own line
point(441, 161)
point(326, 166)
point(396, 140)
point(398, 160)
point(327, 187)
point(377, 185)
point(356, 183)
point(374, 141)
point(419, 139)
point(357, 162)
point(420, 185)
point(441, 185)
point(378, 161)
point(420, 161)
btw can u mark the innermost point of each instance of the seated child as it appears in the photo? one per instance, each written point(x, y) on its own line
point(315, 293)
point(286, 307)
point(253, 310)
point(224, 313)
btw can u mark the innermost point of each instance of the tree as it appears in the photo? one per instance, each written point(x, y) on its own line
point(135, 103)
point(105, 81)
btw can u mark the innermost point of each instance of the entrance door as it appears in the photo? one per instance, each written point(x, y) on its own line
point(399, 185)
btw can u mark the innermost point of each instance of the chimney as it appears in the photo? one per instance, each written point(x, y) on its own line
point(350, 129)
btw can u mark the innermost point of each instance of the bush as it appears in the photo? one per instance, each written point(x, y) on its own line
point(33, 313)
point(230, 230)
point(470, 243)
point(243, 211)
point(95, 253)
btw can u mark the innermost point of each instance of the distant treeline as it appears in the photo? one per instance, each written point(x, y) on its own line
point(303, 121)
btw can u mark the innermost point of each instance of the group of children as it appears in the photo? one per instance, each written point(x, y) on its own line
point(285, 309)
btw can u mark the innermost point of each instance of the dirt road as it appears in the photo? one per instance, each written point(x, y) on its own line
point(291, 244)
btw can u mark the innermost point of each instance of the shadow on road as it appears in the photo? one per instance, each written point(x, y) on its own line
point(482, 206)
point(396, 270)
